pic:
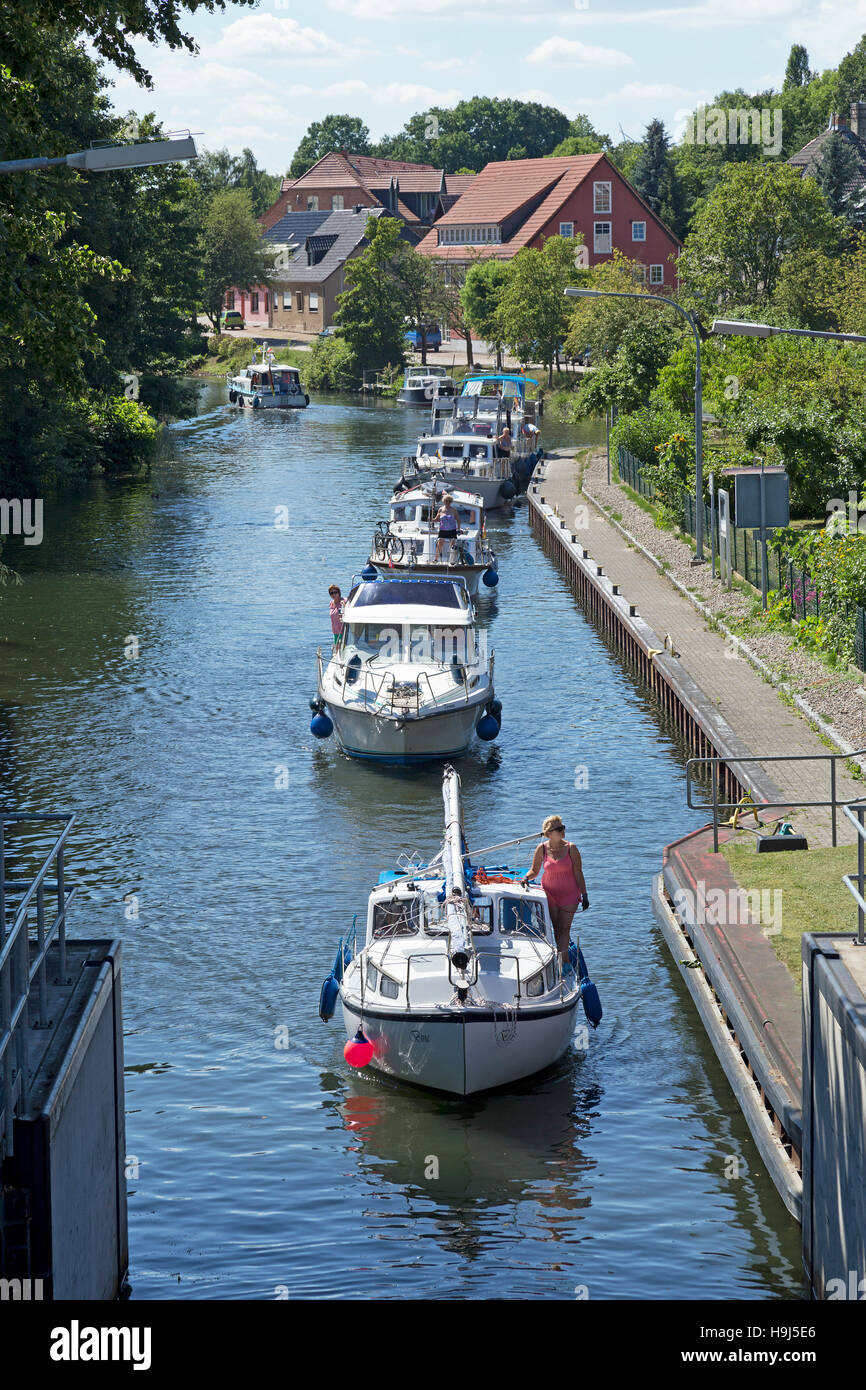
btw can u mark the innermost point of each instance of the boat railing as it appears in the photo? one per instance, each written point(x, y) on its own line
point(403, 697)
point(470, 981)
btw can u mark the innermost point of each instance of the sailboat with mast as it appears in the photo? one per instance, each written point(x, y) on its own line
point(458, 985)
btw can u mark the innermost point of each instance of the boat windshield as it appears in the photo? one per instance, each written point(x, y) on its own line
point(402, 591)
point(397, 917)
point(480, 920)
point(448, 646)
point(521, 917)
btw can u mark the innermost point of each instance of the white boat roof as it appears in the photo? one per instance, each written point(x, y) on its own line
point(409, 614)
point(469, 438)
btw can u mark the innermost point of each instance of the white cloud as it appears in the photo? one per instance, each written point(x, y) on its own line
point(559, 52)
point(711, 13)
point(269, 36)
point(382, 94)
point(650, 91)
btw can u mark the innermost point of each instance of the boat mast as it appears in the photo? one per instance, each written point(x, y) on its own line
point(456, 901)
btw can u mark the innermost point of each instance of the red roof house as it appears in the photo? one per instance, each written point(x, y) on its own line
point(520, 202)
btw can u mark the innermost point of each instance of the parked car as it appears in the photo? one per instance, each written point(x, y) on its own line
point(233, 318)
point(433, 334)
point(329, 332)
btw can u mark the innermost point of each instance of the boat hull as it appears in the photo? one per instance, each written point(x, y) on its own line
point(419, 395)
point(463, 1051)
point(269, 402)
point(377, 738)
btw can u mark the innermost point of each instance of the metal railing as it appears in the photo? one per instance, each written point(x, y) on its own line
point(23, 961)
point(402, 698)
point(855, 811)
point(715, 805)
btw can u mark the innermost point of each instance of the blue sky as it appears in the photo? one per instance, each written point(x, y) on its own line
point(262, 75)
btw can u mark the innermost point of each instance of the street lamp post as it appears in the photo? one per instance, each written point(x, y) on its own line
point(573, 293)
point(101, 158)
point(742, 329)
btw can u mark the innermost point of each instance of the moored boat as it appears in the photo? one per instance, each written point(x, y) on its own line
point(427, 386)
point(470, 462)
point(458, 984)
point(410, 542)
point(409, 679)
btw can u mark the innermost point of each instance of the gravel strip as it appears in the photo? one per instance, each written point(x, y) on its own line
point(839, 698)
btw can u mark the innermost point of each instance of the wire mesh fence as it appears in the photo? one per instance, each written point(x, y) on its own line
point(788, 578)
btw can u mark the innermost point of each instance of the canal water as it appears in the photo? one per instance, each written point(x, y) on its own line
point(155, 668)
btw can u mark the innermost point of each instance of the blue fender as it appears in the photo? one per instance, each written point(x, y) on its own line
point(328, 998)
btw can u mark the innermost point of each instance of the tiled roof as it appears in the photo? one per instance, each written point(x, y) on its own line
point(410, 180)
point(504, 187)
point(458, 183)
point(343, 231)
point(367, 164)
point(809, 157)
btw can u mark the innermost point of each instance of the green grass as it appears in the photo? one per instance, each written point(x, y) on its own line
point(814, 898)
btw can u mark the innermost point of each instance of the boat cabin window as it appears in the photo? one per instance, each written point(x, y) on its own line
point(448, 645)
point(373, 639)
point(521, 917)
point(401, 591)
point(451, 451)
point(481, 917)
point(396, 917)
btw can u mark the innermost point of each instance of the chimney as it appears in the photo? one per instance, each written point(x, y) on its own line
point(858, 118)
point(838, 122)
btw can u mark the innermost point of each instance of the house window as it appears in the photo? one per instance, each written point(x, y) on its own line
point(287, 299)
point(313, 202)
point(657, 274)
point(601, 238)
point(230, 299)
point(566, 229)
point(314, 302)
point(601, 197)
point(337, 203)
point(300, 304)
point(638, 231)
point(254, 302)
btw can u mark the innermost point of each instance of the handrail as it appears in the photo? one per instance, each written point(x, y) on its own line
point(18, 971)
point(834, 802)
point(858, 892)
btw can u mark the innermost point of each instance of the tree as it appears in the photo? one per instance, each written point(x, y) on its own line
point(216, 170)
point(371, 309)
point(421, 290)
point(332, 133)
point(850, 84)
point(232, 255)
point(476, 132)
point(533, 312)
point(797, 72)
point(655, 177)
point(480, 298)
point(839, 177)
point(111, 26)
point(755, 215)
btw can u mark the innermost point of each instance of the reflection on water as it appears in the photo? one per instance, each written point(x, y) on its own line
point(229, 850)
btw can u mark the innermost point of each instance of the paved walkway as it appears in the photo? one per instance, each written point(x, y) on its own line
point(752, 707)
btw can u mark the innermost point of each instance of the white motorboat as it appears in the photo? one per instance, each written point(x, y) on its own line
point(409, 540)
point(469, 461)
point(409, 679)
point(267, 385)
point(458, 984)
point(427, 386)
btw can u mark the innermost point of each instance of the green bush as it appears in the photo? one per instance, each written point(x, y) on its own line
point(125, 435)
point(331, 365)
point(644, 431)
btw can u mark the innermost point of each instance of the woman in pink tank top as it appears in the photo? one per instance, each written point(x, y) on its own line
point(562, 880)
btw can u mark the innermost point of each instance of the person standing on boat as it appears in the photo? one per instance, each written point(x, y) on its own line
point(338, 603)
point(449, 524)
point(503, 443)
point(562, 880)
